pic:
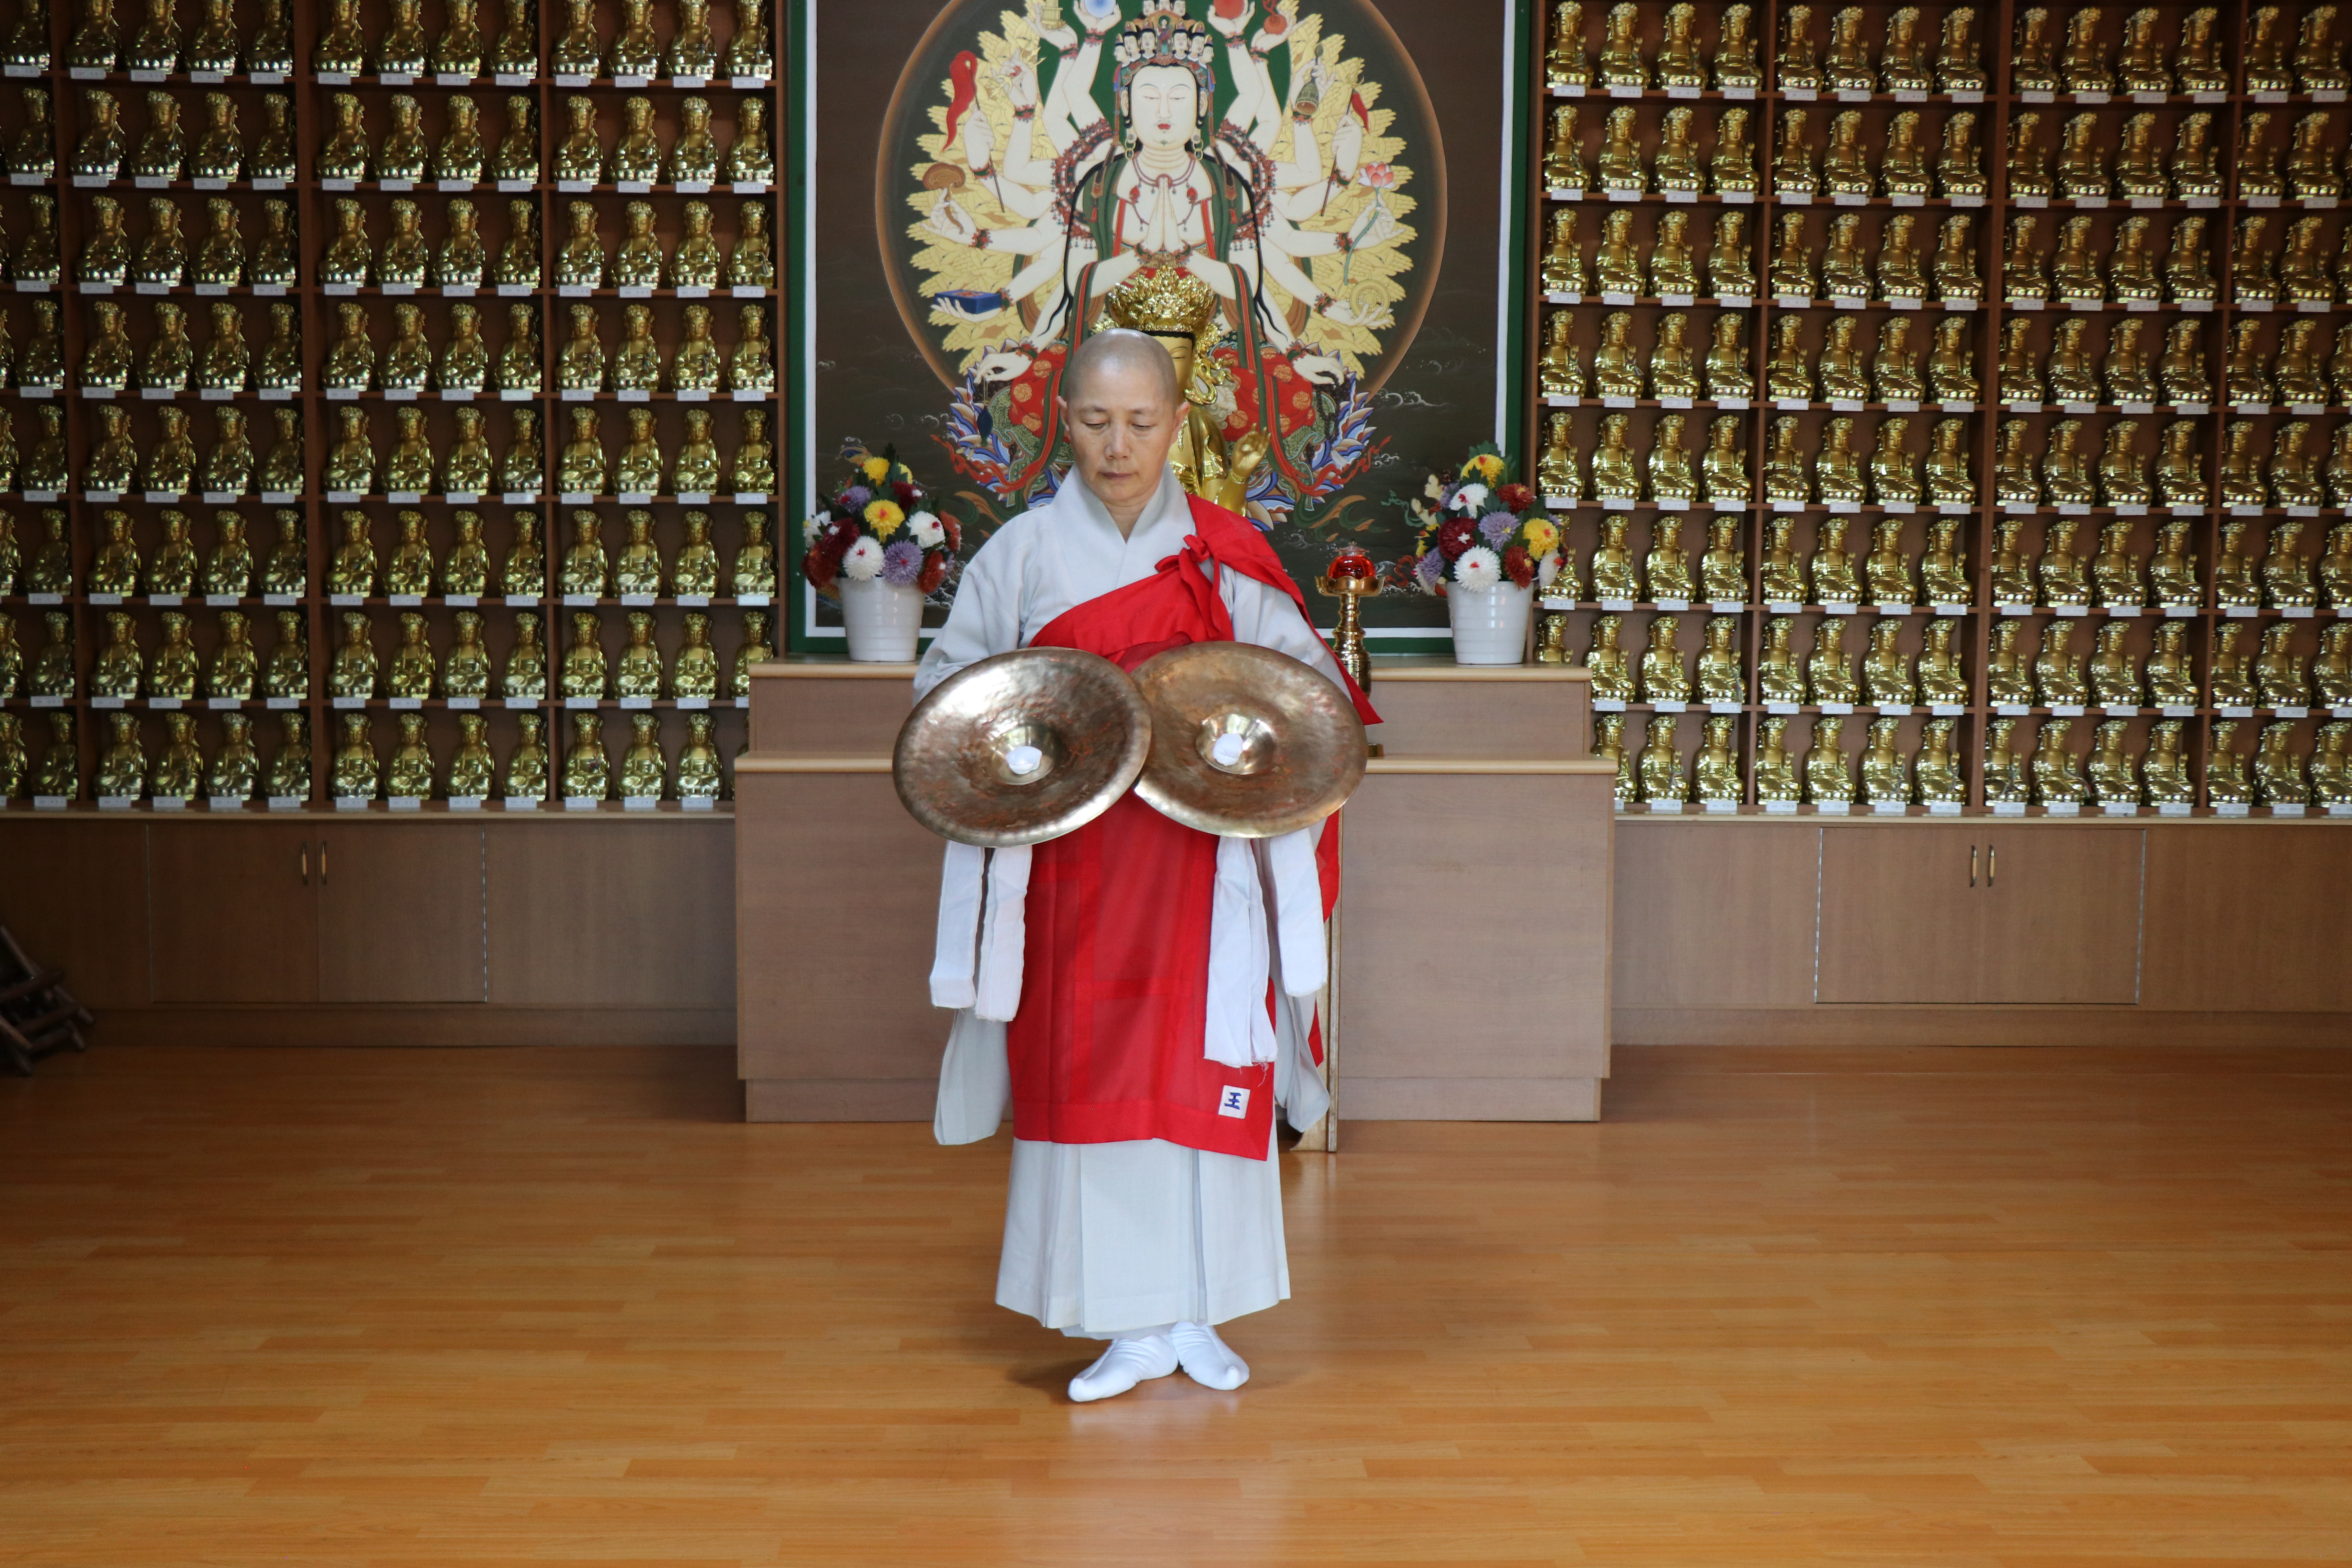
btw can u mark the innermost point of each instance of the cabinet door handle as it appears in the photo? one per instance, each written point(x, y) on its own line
point(306, 862)
point(322, 862)
point(1990, 863)
point(1972, 865)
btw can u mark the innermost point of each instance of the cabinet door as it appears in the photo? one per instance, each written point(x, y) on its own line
point(234, 914)
point(2247, 917)
point(624, 914)
point(401, 913)
point(2059, 918)
point(75, 895)
point(1898, 921)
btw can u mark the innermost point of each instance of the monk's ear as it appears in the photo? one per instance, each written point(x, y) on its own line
point(1062, 408)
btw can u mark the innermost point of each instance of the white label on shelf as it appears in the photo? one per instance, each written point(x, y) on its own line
point(580, 803)
point(403, 802)
point(2231, 808)
point(522, 803)
point(521, 702)
point(1833, 807)
point(352, 803)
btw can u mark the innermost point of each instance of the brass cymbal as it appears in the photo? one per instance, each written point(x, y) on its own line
point(1022, 747)
point(1246, 742)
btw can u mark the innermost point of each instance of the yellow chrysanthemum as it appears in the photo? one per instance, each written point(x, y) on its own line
point(1541, 537)
point(1485, 468)
point(875, 469)
point(884, 518)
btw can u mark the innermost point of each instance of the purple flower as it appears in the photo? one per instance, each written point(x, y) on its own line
point(1428, 569)
point(856, 496)
point(902, 563)
point(1496, 527)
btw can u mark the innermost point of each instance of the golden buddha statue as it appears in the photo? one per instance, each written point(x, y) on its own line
point(1797, 64)
point(1781, 580)
point(1556, 472)
point(1732, 166)
point(1617, 363)
point(584, 671)
point(1559, 370)
point(1609, 743)
point(2331, 765)
point(1565, 63)
point(465, 667)
point(1887, 680)
point(1829, 777)
point(1792, 165)
point(2280, 680)
point(1673, 272)
point(1784, 465)
point(2278, 771)
point(352, 671)
point(234, 771)
point(1726, 373)
point(1658, 771)
point(2331, 670)
point(1837, 468)
point(1730, 262)
point(1845, 64)
point(1842, 374)
point(289, 776)
point(1564, 270)
point(411, 672)
point(1674, 368)
point(2111, 774)
point(1894, 479)
point(1885, 773)
point(1615, 476)
point(2004, 775)
point(1612, 678)
point(1959, 67)
point(1830, 570)
point(2169, 678)
point(1886, 570)
point(1616, 577)
point(1724, 468)
point(2057, 775)
point(1670, 476)
point(2234, 585)
point(1182, 311)
point(1677, 166)
point(524, 674)
point(288, 673)
point(1779, 679)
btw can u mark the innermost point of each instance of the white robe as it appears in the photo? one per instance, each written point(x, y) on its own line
point(1102, 1238)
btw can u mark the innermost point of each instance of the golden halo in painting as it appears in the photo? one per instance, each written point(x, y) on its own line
point(1280, 162)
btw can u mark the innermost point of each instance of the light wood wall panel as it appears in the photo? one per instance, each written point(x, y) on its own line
point(838, 901)
point(1704, 919)
point(403, 914)
point(234, 914)
point(1485, 970)
point(2253, 918)
point(631, 914)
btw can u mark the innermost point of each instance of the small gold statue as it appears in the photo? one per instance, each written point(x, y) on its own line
point(587, 772)
point(1829, 670)
point(526, 776)
point(525, 673)
point(1829, 777)
point(412, 670)
point(357, 771)
point(1887, 678)
point(352, 671)
point(1612, 676)
point(585, 668)
point(1779, 678)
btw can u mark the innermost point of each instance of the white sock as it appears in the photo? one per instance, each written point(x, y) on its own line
point(1129, 1361)
point(1206, 1358)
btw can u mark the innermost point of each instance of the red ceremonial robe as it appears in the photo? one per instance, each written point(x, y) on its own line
point(1107, 1046)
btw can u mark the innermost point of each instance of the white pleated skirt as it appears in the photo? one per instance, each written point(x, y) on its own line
point(1103, 1239)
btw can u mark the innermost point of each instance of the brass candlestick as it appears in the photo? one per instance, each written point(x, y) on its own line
point(1350, 578)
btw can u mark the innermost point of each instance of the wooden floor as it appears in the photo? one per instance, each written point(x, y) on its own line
point(2052, 1308)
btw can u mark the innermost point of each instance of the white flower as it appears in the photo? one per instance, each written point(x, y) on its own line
point(810, 528)
point(1547, 569)
point(1469, 498)
point(862, 560)
point(925, 530)
point(1478, 567)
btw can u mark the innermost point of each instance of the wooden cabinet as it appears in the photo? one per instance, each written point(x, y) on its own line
point(403, 914)
point(2249, 917)
point(1898, 917)
point(2059, 923)
point(1713, 914)
point(234, 912)
point(76, 896)
point(1980, 914)
point(628, 914)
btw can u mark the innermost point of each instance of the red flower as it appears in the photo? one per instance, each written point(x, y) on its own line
point(1517, 567)
point(836, 536)
point(905, 495)
point(954, 532)
point(1516, 498)
point(935, 570)
point(1455, 535)
point(820, 566)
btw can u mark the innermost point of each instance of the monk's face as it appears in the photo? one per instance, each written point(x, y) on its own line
point(1123, 423)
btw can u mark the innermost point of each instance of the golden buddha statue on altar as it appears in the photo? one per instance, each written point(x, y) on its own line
point(1183, 313)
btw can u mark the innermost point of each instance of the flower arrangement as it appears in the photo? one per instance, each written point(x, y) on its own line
point(1478, 529)
point(876, 526)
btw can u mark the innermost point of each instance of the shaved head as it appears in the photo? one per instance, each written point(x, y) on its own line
point(1121, 409)
point(1118, 349)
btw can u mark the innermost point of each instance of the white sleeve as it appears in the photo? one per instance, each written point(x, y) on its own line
point(1265, 616)
point(985, 618)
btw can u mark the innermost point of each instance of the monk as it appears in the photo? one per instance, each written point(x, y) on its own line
point(1150, 1014)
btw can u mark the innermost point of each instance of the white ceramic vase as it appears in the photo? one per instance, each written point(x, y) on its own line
point(1490, 625)
point(881, 618)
